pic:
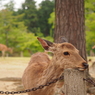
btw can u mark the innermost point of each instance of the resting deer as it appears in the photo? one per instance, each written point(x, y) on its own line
point(41, 69)
point(4, 48)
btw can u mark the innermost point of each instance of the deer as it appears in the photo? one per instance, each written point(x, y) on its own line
point(4, 48)
point(41, 69)
point(93, 47)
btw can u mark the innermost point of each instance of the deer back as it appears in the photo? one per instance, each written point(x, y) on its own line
point(38, 63)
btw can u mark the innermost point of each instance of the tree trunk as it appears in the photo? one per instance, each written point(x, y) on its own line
point(21, 54)
point(70, 23)
point(73, 82)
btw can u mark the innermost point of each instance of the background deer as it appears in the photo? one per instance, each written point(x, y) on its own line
point(41, 69)
point(4, 48)
point(93, 47)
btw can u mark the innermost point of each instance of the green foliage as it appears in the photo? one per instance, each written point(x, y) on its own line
point(45, 9)
point(37, 18)
point(14, 33)
point(89, 6)
point(30, 15)
point(10, 5)
point(9, 24)
point(51, 21)
point(90, 24)
point(28, 42)
point(20, 29)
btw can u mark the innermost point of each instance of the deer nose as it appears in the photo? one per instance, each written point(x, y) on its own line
point(85, 65)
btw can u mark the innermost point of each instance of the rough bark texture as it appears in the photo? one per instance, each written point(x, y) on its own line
point(73, 82)
point(70, 23)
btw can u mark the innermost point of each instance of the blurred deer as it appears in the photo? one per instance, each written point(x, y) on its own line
point(93, 47)
point(41, 69)
point(4, 48)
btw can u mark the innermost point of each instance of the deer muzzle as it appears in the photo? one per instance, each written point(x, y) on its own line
point(85, 65)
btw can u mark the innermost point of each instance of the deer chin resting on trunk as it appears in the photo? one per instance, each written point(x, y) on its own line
point(41, 69)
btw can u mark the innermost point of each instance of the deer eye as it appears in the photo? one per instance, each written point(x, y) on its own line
point(66, 53)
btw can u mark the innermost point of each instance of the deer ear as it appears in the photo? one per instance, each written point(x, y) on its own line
point(45, 44)
point(62, 39)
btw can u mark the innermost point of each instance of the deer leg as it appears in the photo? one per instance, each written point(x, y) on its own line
point(3, 53)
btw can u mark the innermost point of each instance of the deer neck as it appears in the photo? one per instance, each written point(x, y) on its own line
point(53, 71)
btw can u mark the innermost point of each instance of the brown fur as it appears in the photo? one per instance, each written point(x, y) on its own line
point(93, 47)
point(41, 69)
point(4, 48)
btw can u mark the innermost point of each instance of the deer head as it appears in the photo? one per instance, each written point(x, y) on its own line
point(65, 55)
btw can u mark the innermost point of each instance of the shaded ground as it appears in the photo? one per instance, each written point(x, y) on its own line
point(11, 70)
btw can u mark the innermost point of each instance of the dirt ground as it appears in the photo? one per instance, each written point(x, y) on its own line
point(11, 71)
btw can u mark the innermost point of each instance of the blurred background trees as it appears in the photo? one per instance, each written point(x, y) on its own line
point(19, 28)
point(90, 25)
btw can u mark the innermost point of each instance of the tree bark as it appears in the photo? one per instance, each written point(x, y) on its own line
point(70, 23)
point(73, 82)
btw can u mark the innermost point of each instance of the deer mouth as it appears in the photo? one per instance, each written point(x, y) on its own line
point(80, 69)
